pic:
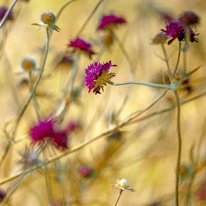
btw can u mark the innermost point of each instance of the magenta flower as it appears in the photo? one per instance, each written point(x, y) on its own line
point(49, 130)
point(97, 75)
point(3, 10)
point(176, 30)
point(85, 170)
point(43, 130)
point(109, 21)
point(82, 45)
point(189, 18)
point(60, 139)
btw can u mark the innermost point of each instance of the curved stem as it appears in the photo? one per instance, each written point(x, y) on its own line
point(35, 103)
point(123, 51)
point(166, 58)
point(63, 7)
point(178, 60)
point(103, 134)
point(7, 12)
point(21, 113)
point(148, 84)
point(179, 138)
point(89, 17)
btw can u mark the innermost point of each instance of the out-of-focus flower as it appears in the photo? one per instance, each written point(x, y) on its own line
point(42, 130)
point(123, 185)
point(80, 44)
point(48, 20)
point(107, 39)
point(60, 139)
point(64, 62)
point(49, 130)
point(85, 170)
point(201, 195)
point(185, 171)
point(97, 75)
point(108, 22)
point(189, 18)
point(29, 64)
point(3, 11)
point(2, 194)
point(29, 159)
point(160, 38)
point(176, 30)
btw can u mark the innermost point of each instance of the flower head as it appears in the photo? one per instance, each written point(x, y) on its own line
point(3, 11)
point(28, 63)
point(109, 21)
point(48, 20)
point(176, 30)
point(60, 139)
point(82, 45)
point(160, 38)
point(29, 159)
point(43, 130)
point(85, 170)
point(2, 194)
point(189, 18)
point(123, 185)
point(97, 75)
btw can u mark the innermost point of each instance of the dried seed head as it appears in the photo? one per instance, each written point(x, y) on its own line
point(48, 18)
point(28, 63)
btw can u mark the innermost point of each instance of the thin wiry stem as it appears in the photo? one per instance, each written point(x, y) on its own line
point(166, 58)
point(161, 86)
point(21, 113)
point(103, 134)
point(179, 138)
point(36, 106)
point(7, 12)
point(123, 51)
point(64, 7)
point(89, 17)
point(120, 193)
point(178, 59)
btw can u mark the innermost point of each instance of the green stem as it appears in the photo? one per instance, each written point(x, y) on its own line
point(36, 106)
point(148, 84)
point(21, 113)
point(63, 7)
point(178, 60)
point(120, 193)
point(7, 12)
point(166, 58)
point(123, 51)
point(179, 138)
point(89, 17)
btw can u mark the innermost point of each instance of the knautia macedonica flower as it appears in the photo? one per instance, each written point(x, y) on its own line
point(43, 130)
point(97, 76)
point(110, 21)
point(80, 44)
point(48, 19)
point(189, 18)
point(85, 170)
point(176, 30)
point(3, 11)
point(3, 194)
point(60, 139)
point(48, 130)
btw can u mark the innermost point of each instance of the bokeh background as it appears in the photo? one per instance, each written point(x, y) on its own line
point(146, 156)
